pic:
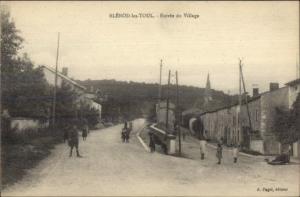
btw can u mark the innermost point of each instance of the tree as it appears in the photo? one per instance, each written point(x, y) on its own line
point(91, 115)
point(66, 113)
point(295, 119)
point(287, 123)
point(25, 92)
point(11, 41)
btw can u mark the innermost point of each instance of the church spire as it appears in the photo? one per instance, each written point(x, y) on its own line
point(207, 93)
point(208, 82)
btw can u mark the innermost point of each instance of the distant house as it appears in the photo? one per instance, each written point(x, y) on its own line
point(83, 96)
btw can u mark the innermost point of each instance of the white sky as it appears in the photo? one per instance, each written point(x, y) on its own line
point(264, 34)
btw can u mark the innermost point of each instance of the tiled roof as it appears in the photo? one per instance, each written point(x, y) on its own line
point(294, 82)
point(64, 77)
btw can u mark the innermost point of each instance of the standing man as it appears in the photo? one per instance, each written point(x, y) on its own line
point(125, 124)
point(84, 133)
point(151, 144)
point(85, 129)
point(73, 140)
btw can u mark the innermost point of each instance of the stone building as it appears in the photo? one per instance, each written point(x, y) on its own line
point(232, 124)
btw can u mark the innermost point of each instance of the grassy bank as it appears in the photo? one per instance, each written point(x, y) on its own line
point(19, 153)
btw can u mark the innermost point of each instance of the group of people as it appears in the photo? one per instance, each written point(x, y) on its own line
point(71, 135)
point(219, 152)
point(196, 126)
point(125, 134)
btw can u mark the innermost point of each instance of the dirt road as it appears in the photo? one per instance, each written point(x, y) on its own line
point(110, 167)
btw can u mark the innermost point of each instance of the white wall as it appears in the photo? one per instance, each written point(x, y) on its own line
point(257, 145)
point(296, 149)
point(50, 77)
point(21, 124)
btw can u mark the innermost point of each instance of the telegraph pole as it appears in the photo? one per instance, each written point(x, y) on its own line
point(297, 70)
point(246, 99)
point(55, 82)
point(167, 111)
point(178, 114)
point(159, 86)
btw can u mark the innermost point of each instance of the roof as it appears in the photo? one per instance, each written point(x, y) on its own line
point(294, 82)
point(191, 111)
point(233, 105)
point(244, 102)
point(64, 77)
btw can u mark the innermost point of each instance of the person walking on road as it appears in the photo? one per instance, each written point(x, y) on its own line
point(73, 140)
point(85, 130)
point(125, 124)
point(151, 144)
point(66, 134)
point(235, 153)
point(202, 148)
point(219, 153)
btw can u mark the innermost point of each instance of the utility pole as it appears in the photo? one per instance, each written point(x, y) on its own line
point(167, 111)
point(159, 86)
point(178, 114)
point(240, 84)
point(246, 99)
point(240, 103)
point(297, 70)
point(55, 83)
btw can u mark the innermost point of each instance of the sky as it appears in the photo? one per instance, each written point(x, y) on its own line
point(265, 35)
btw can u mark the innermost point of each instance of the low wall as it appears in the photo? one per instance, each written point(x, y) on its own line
point(296, 149)
point(257, 145)
point(167, 139)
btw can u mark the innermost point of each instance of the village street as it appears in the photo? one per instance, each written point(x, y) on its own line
point(110, 167)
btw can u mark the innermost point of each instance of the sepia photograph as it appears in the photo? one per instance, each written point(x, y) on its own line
point(150, 98)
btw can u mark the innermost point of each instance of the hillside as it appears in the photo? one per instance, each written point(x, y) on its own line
point(133, 99)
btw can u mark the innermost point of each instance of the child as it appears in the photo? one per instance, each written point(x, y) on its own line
point(84, 133)
point(235, 153)
point(219, 153)
point(202, 148)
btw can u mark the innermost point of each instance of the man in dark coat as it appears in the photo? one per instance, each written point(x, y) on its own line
point(151, 143)
point(73, 140)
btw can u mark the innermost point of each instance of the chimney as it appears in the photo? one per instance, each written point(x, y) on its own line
point(274, 86)
point(65, 71)
point(255, 92)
